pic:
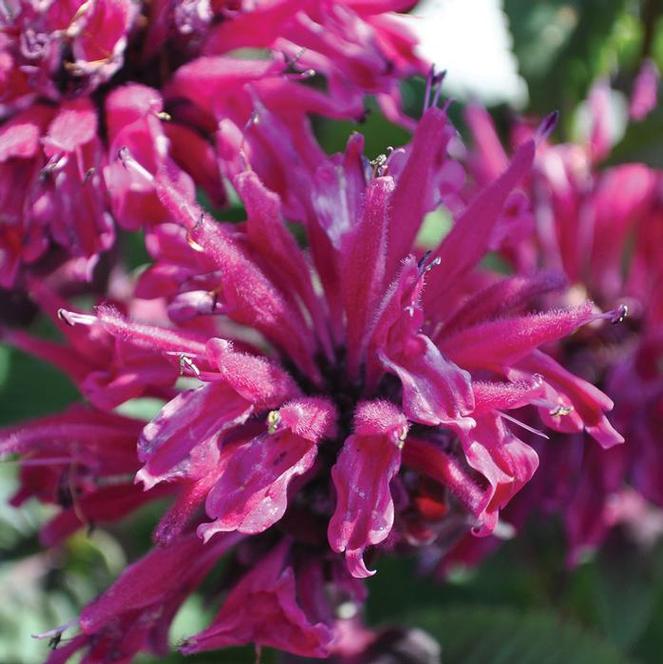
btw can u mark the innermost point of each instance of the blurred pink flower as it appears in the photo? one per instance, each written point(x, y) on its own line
point(84, 88)
point(600, 228)
point(50, 170)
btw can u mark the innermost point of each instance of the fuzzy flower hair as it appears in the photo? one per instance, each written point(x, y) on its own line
point(600, 229)
point(344, 396)
point(96, 95)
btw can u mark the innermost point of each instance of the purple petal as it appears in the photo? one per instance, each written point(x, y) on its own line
point(472, 233)
point(413, 196)
point(185, 422)
point(149, 581)
point(262, 609)
point(251, 493)
point(246, 293)
point(505, 297)
point(369, 459)
point(363, 268)
point(497, 344)
point(645, 91)
point(587, 401)
point(505, 461)
point(435, 390)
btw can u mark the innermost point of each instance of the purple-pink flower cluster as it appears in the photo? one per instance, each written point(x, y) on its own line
point(600, 229)
point(89, 86)
point(323, 401)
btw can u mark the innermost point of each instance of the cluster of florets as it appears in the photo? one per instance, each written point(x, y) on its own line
point(86, 86)
point(322, 401)
point(601, 229)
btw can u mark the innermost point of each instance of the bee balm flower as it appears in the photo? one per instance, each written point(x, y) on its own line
point(358, 401)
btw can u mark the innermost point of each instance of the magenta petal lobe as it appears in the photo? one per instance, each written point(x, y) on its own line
point(369, 459)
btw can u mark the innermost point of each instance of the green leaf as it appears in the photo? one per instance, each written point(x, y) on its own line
point(562, 46)
point(629, 586)
point(378, 132)
point(31, 388)
point(4, 364)
point(643, 141)
point(489, 635)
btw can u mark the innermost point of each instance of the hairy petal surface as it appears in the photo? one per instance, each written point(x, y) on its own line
point(505, 462)
point(251, 492)
point(262, 609)
point(369, 459)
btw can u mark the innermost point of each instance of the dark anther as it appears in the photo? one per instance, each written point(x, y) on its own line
point(424, 258)
point(123, 155)
point(290, 62)
point(54, 641)
point(378, 165)
point(65, 496)
point(433, 88)
point(546, 127)
point(62, 315)
point(53, 164)
point(621, 314)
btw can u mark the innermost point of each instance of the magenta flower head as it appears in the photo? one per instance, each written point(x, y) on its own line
point(342, 400)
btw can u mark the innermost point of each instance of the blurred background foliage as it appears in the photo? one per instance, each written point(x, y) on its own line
point(523, 604)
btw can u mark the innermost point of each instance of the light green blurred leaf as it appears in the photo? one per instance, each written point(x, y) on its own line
point(32, 388)
point(142, 408)
point(435, 226)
